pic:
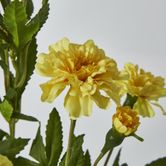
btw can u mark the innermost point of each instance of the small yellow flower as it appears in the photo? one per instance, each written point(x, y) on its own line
point(146, 87)
point(89, 73)
point(125, 120)
point(4, 161)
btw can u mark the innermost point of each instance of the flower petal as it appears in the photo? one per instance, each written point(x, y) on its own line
point(72, 103)
point(102, 101)
point(143, 108)
point(51, 90)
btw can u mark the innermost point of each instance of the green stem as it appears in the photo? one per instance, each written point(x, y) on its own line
point(12, 125)
point(70, 141)
point(108, 157)
point(101, 155)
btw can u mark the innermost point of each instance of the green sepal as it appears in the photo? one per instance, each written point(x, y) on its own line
point(130, 100)
point(117, 158)
point(20, 161)
point(38, 149)
point(158, 162)
point(6, 110)
point(12, 147)
point(113, 139)
point(20, 116)
point(3, 134)
point(54, 136)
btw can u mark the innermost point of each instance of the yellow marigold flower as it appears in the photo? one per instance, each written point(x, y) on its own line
point(125, 120)
point(146, 87)
point(86, 70)
point(4, 161)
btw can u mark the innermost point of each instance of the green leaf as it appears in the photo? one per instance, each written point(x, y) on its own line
point(54, 138)
point(113, 139)
point(20, 161)
point(10, 94)
point(5, 3)
point(87, 160)
point(62, 162)
point(6, 110)
point(116, 161)
point(3, 65)
point(15, 146)
point(29, 7)
point(125, 164)
point(29, 64)
point(3, 134)
point(158, 162)
point(15, 20)
point(18, 115)
point(38, 150)
point(41, 16)
point(76, 152)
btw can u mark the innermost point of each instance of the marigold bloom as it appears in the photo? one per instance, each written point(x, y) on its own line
point(4, 161)
point(146, 87)
point(87, 71)
point(125, 120)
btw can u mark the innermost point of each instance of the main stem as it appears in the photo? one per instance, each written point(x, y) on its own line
point(70, 141)
point(108, 157)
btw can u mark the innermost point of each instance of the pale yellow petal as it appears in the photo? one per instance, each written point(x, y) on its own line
point(102, 101)
point(86, 105)
point(51, 90)
point(143, 108)
point(72, 104)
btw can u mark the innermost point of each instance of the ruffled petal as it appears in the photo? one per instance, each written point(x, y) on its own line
point(101, 101)
point(143, 108)
point(51, 90)
point(72, 103)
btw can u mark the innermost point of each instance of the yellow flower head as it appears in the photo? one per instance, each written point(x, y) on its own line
point(86, 70)
point(146, 87)
point(125, 120)
point(4, 161)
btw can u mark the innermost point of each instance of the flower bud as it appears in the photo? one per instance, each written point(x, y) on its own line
point(125, 120)
point(4, 161)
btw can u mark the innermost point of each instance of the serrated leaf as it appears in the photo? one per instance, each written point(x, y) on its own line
point(116, 161)
point(31, 60)
point(29, 7)
point(15, 146)
point(18, 115)
point(87, 159)
point(42, 15)
point(158, 162)
point(3, 134)
point(26, 64)
point(6, 110)
point(62, 162)
point(15, 20)
point(5, 3)
point(38, 150)
point(76, 152)
point(54, 138)
point(20, 161)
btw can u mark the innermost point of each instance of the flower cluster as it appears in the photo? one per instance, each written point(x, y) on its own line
point(146, 87)
point(89, 73)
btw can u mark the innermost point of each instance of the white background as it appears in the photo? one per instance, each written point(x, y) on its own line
point(129, 31)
